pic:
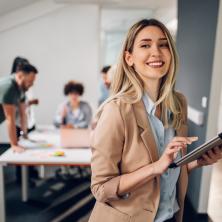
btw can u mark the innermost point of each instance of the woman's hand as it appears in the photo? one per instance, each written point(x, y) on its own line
point(171, 151)
point(211, 157)
point(64, 112)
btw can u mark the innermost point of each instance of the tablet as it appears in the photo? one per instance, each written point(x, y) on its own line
point(198, 152)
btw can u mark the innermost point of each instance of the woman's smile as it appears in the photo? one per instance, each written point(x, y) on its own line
point(156, 64)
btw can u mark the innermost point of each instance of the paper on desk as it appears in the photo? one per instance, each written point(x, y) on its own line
point(33, 144)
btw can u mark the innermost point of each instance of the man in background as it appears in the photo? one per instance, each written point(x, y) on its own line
point(104, 84)
point(29, 100)
point(12, 95)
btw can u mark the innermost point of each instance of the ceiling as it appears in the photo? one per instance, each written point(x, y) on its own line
point(121, 20)
point(7, 6)
point(113, 17)
point(151, 4)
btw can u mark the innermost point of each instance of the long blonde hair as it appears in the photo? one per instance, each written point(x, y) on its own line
point(127, 85)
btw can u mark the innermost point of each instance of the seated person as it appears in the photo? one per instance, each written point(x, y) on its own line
point(73, 113)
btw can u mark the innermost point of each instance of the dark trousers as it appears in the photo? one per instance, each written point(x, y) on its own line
point(32, 172)
point(171, 220)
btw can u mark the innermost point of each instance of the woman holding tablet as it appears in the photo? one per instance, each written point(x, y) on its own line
point(141, 129)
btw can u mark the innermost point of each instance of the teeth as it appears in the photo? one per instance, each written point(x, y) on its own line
point(155, 63)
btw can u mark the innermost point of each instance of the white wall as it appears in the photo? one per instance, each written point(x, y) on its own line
point(220, 113)
point(220, 105)
point(63, 43)
point(114, 26)
point(116, 22)
point(214, 117)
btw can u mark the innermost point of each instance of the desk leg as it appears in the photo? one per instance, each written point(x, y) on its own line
point(24, 183)
point(2, 195)
point(42, 172)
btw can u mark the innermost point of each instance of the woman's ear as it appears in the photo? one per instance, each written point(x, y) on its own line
point(128, 58)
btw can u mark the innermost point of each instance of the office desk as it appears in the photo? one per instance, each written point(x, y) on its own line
point(39, 154)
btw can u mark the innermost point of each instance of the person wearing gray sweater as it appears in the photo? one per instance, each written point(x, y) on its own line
point(73, 113)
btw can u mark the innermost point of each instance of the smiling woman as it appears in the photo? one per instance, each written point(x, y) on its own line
point(141, 129)
point(153, 48)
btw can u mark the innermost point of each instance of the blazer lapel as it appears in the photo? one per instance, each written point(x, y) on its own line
point(145, 130)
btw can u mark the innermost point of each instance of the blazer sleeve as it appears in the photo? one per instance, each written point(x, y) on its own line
point(107, 144)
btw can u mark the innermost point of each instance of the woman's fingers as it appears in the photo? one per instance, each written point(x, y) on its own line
point(201, 161)
point(180, 139)
point(208, 158)
point(193, 138)
point(180, 142)
point(217, 151)
point(173, 144)
point(211, 157)
point(176, 144)
point(187, 140)
point(174, 149)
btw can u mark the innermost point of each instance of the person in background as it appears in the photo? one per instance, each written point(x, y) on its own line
point(12, 95)
point(30, 119)
point(111, 73)
point(29, 101)
point(73, 113)
point(104, 84)
point(18, 61)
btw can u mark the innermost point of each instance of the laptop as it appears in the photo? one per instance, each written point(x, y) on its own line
point(75, 138)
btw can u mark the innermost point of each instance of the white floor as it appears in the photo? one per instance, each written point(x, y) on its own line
point(215, 199)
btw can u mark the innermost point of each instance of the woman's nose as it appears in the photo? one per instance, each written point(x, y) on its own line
point(155, 51)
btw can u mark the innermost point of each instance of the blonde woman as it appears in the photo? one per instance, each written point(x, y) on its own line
point(141, 129)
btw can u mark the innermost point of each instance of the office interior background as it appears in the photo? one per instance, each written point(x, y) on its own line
point(73, 39)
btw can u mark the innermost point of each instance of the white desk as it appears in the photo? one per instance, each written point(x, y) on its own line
point(37, 154)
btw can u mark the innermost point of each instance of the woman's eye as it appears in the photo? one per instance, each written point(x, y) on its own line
point(145, 46)
point(164, 45)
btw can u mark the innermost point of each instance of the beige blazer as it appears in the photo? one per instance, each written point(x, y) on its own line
point(123, 142)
